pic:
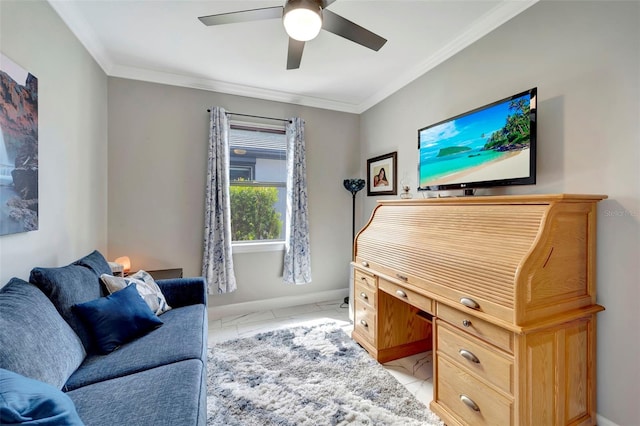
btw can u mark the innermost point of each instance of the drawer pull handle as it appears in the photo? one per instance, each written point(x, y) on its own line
point(401, 293)
point(402, 277)
point(469, 303)
point(364, 296)
point(469, 402)
point(469, 356)
point(466, 323)
point(365, 264)
point(364, 323)
point(363, 279)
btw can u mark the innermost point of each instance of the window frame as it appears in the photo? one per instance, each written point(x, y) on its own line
point(252, 246)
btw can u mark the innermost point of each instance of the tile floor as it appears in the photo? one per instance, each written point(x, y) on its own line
point(414, 372)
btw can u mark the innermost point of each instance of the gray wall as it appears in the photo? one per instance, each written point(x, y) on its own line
point(157, 173)
point(583, 56)
point(584, 59)
point(72, 145)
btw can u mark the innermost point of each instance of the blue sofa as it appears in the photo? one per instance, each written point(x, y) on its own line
point(156, 379)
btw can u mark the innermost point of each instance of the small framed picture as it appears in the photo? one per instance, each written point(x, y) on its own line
point(382, 175)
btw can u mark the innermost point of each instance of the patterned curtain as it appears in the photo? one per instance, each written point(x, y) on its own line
point(297, 257)
point(217, 262)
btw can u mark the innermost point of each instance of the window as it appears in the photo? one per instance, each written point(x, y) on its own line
point(241, 172)
point(258, 183)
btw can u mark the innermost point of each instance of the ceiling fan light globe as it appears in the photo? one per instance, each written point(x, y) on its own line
point(303, 23)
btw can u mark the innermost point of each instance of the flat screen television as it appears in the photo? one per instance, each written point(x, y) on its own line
point(494, 145)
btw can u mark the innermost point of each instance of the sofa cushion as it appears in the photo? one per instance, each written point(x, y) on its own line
point(96, 262)
point(166, 395)
point(28, 401)
point(146, 286)
point(67, 286)
point(34, 339)
point(183, 336)
point(117, 318)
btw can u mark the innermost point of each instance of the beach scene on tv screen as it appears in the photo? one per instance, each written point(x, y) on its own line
point(486, 145)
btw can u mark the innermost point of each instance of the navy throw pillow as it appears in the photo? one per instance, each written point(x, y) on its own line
point(117, 318)
point(31, 402)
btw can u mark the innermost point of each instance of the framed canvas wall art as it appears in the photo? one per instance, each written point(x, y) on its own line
point(18, 148)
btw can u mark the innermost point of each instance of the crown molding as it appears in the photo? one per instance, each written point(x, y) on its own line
point(487, 23)
point(483, 26)
point(83, 32)
point(181, 80)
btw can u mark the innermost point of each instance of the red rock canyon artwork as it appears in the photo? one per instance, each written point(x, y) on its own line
point(18, 148)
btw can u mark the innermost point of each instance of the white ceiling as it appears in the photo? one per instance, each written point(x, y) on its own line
point(162, 41)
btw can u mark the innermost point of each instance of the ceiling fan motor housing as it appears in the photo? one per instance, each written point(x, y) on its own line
point(313, 5)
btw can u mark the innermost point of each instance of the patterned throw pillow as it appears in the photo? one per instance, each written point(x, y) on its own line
point(146, 286)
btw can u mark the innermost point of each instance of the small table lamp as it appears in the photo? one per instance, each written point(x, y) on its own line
point(353, 186)
point(126, 264)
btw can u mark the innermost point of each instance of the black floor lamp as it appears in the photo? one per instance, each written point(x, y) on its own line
point(353, 186)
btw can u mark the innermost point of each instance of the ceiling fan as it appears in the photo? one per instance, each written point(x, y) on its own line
point(302, 20)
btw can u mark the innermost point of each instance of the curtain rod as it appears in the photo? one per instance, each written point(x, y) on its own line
point(256, 116)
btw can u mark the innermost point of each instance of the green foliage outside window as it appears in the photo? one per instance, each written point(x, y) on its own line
point(253, 215)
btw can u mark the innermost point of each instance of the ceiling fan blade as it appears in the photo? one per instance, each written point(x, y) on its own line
point(351, 31)
point(326, 3)
point(243, 16)
point(294, 56)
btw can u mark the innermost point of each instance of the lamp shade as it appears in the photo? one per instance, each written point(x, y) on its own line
point(353, 185)
point(302, 19)
point(125, 262)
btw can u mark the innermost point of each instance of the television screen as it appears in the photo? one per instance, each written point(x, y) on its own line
point(493, 145)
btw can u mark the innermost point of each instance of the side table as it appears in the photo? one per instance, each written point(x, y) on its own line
point(163, 274)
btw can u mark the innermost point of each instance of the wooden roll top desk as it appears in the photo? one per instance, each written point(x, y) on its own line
point(502, 288)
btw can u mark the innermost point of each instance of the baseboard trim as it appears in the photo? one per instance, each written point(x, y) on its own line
point(220, 311)
point(603, 421)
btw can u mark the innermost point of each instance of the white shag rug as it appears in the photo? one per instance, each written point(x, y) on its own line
point(305, 376)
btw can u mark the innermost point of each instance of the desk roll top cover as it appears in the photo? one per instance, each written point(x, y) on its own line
point(521, 258)
point(521, 263)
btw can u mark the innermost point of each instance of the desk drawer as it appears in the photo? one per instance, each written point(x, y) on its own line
point(408, 296)
point(365, 322)
point(366, 280)
point(484, 360)
point(483, 405)
point(364, 294)
point(485, 330)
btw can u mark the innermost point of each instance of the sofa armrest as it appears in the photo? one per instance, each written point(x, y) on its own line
point(184, 291)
